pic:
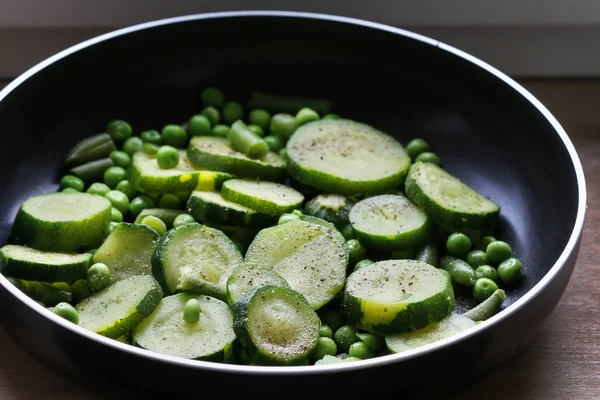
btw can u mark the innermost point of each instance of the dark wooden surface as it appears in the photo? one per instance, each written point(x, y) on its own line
point(562, 362)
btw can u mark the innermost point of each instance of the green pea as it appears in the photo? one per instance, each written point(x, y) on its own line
point(304, 116)
point(220, 130)
point(325, 331)
point(484, 288)
point(151, 136)
point(416, 147)
point(486, 271)
point(344, 336)
point(477, 258)
point(98, 276)
point(66, 311)
point(429, 157)
point(298, 212)
point(155, 223)
point(167, 157)
point(325, 346)
point(169, 201)
point(98, 188)
point(363, 263)
point(256, 130)
point(126, 187)
point(374, 341)
point(150, 148)
point(287, 218)
point(119, 200)
point(213, 115)
point(232, 111)
point(191, 311)
point(174, 135)
point(140, 203)
point(73, 182)
point(273, 142)
point(199, 125)
point(458, 244)
point(357, 251)
point(120, 158)
point(261, 118)
point(212, 96)
point(347, 232)
point(183, 219)
point(498, 251)
point(116, 215)
point(482, 243)
point(332, 317)
point(80, 290)
point(282, 153)
point(282, 125)
point(113, 175)
point(70, 190)
point(133, 145)
point(331, 116)
point(361, 350)
point(112, 226)
point(119, 130)
point(510, 270)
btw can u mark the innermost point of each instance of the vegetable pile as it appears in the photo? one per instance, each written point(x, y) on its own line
point(275, 233)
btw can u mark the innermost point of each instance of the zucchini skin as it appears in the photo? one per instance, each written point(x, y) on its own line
point(337, 217)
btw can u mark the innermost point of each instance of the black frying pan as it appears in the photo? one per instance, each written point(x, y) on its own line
point(487, 129)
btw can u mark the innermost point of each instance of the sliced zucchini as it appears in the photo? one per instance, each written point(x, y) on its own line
point(346, 157)
point(117, 309)
point(448, 201)
point(27, 263)
point(276, 325)
point(247, 277)
point(146, 176)
point(215, 153)
point(390, 222)
point(449, 326)
point(44, 292)
point(330, 207)
point(308, 256)
point(165, 331)
point(211, 207)
point(62, 222)
point(267, 197)
point(396, 296)
point(167, 215)
point(196, 258)
point(326, 224)
point(90, 149)
point(128, 251)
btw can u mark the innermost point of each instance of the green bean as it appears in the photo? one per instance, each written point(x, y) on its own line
point(247, 142)
point(92, 171)
point(488, 307)
point(460, 271)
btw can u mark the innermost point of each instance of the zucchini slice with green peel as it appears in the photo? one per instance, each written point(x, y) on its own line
point(36, 265)
point(117, 309)
point(196, 258)
point(449, 326)
point(390, 222)
point(217, 154)
point(396, 296)
point(267, 197)
point(334, 208)
point(166, 332)
point(448, 201)
point(346, 157)
point(276, 325)
point(247, 277)
point(62, 222)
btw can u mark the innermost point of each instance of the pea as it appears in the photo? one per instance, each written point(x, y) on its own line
point(199, 125)
point(361, 350)
point(132, 145)
point(458, 244)
point(484, 288)
point(70, 190)
point(325, 346)
point(416, 147)
point(498, 251)
point(477, 258)
point(304, 116)
point(282, 125)
point(212, 96)
point(116, 215)
point(174, 135)
point(486, 271)
point(66, 311)
point(429, 157)
point(287, 218)
point(155, 223)
point(282, 153)
point(183, 219)
point(213, 115)
point(113, 175)
point(98, 188)
point(98, 276)
point(150, 148)
point(331, 116)
point(357, 251)
point(325, 331)
point(344, 336)
point(260, 117)
point(140, 203)
point(510, 270)
point(191, 311)
point(220, 130)
point(167, 157)
point(169, 200)
point(119, 130)
point(256, 130)
point(119, 200)
point(232, 111)
point(151, 136)
point(273, 142)
point(71, 181)
point(126, 187)
point(482, 243)
point(372, 340)
point(120, 158)
point(347, 232)
point(333, 318)
point(298, 212)
point(363, 263)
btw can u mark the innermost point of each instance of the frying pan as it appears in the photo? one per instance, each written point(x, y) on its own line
point(487, 129)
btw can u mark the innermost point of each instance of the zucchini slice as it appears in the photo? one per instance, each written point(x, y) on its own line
point(165, 331)
point(396, 296)
point(215, 153)
point(36, 265)
point(390, 222)
point(117, 309)
point(276, 325)
point(334, 208)
point(448, 201)
point(346, 157)
point(247, 277)
point(267, 197)
point(62, 222)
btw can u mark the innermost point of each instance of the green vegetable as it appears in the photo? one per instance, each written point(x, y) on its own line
point(116, 215)
point(66, 311)
point(498, 251)
point(220, 130)
point(119, 200)
point(429, 254)
point(325, 331)
point(487, 308)
point(483, 242)
point(477, 258)
point(334, 208)
point(262, 196)
point(510, 270)
point(98, 188)
point(273, 142)
point(70, 181)
point(429, 157)
point(167, 157)
point(183, 219)
point(363, 263)
point(325, 346)
point(257, 130)
point(151, 136)
point(213, 97)
point(246, 141)
point(460, 271)
point(374, 341)
point(119, 130)
point(260, 118)
point(213, 115)
point(169, 200)
point(126, 187)
point(484, 288)
point(132, 145)
point(248, 276)
point(361, 350)
point(305, 115)
point(89, 149)
point(416, 147)
point(113, 175)
point(140, 203)
point(191, 312)
point(232, 112)
point(357, 251)
point(199, 125)
point(331, 116)
point(345, 336)
point(486, 271)
point(282, 126)
point(98, 276)
point(92, 171)
point(155, 223)
point(288, 104)
point(174, 135)
point(458, 244)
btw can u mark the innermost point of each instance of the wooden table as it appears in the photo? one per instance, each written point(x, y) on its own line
point(562, 362)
